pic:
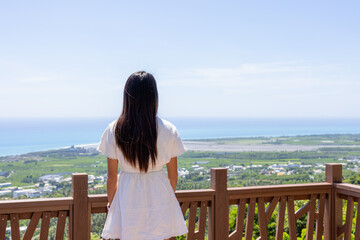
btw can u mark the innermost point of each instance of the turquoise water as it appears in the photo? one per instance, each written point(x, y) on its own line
point(19, 136)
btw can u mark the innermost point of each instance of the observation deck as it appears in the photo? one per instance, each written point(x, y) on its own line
point(329, 208)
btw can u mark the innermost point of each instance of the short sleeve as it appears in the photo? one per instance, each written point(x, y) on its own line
point(107, 144)
point(178, 147)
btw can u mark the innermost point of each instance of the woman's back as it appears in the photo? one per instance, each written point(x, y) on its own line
point(142, 202)
point(169, 145)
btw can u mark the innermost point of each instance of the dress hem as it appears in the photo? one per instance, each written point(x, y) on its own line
point(163, 237)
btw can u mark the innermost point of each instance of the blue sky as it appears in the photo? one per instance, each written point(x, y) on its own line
point(210, 58)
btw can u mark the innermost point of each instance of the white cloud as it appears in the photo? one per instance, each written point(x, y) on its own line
point(256, 90)
point(266, 89)
point(287, 75)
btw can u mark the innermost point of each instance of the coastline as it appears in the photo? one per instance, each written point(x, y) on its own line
point(241, 144)
point(37, 135)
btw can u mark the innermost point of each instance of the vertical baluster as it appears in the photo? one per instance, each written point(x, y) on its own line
point(211, 220)
point(70, 223)
point(357, 228)
point(3, 223)
point(32, 225)
point(202, 220)
point(328, 217)
point(349, 217)
point(291, 218)
point(191, 221)
point(262, 218)
point(45, 222)
point(281, 219)
point(320, 220)
point(250, 219)
point(60, 225)
point(15, 230)
point(240, 218)
point(311, 218)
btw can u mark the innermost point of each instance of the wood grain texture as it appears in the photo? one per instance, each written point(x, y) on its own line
point(262, 218)
point(81, 207)
point(311, 218)
point(3, 223)
point(60, 228)
point(250, 219)
point(333, 175)
point(268, 192)
point(349, 218)
point(15, 230)
point(202, 220)
point(291, 218)
point(35, 205)
point(327, 217)
point(191, 221)
point(357, 227)
point(45, 223)
point(320, 218)
point(281, 219)
point(221, 206)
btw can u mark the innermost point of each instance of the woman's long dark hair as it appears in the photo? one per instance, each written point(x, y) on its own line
point(136, 128)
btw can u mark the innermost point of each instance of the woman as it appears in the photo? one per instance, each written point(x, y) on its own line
point(142, 203)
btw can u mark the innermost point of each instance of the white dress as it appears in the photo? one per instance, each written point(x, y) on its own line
point(144, 205)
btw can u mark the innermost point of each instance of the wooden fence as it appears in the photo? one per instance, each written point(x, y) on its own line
point(207, 210)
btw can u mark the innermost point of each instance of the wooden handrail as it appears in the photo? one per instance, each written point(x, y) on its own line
point(33, 205)
point(348, 189)
point(273, 190)
point(195, 195)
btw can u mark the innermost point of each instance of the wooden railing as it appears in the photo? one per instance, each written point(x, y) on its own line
point(36, 209)
point(350, 194)
point(207, 210)
point(282, 197)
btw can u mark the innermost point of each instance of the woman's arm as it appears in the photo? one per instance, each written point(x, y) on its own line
point(172, 172)
point(112, 178)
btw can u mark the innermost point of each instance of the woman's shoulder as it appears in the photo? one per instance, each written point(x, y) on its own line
point(165, 125)
point(111, 126)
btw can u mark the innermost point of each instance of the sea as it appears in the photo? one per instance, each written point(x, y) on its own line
point(20, 136)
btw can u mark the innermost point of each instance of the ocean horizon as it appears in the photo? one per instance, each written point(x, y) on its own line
point(20, 136)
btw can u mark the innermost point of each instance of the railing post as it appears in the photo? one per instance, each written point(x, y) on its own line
point(333, 174)
point(80, 229)
point(221, 204)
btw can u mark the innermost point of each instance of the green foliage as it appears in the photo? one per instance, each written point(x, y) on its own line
point(30, 179)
